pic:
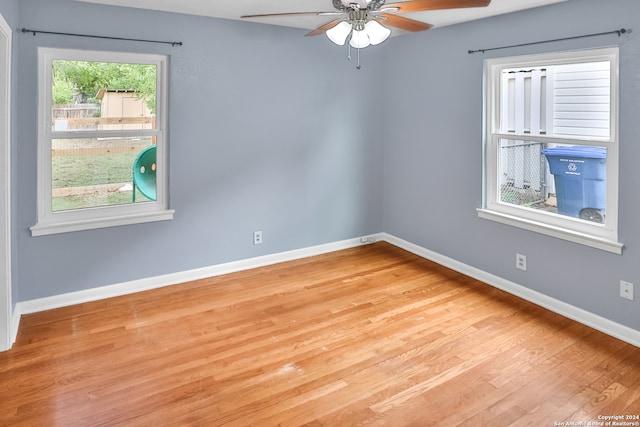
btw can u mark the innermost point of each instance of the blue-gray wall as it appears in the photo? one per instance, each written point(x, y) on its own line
point(9, 11)
point(265, 134)
point(433, 153)
point(274, 131)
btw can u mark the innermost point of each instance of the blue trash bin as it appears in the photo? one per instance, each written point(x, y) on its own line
point(579, 173)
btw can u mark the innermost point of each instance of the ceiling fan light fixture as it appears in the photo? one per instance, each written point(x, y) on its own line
point(359, 39)
point(339, 33)
point(360, 20)
point(377, 32)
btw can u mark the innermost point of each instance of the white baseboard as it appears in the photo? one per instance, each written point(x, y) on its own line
point(15, 324)
point(587, 318)
point(109, 291)
point(12, 331)
point(599, 323)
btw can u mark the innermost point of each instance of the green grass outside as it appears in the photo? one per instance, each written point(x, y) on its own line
point(93, 200)
point(86, 170)
point(79, 171)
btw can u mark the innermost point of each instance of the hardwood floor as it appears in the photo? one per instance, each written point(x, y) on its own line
point(367, 336)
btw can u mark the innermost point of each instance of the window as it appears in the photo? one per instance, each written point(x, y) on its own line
point(551, 145)
point(99, 113)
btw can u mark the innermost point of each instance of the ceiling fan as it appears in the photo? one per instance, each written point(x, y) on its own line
point(361, 19)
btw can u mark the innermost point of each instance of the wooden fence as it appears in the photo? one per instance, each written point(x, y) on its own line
point(62, 111)
point(525, 111)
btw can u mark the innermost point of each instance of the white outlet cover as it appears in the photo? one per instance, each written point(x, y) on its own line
point(626, 290)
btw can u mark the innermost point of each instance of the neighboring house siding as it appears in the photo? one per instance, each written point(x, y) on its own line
point(581, 100)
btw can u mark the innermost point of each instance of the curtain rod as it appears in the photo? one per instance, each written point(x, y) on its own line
point(34, 32)
point(618, 32)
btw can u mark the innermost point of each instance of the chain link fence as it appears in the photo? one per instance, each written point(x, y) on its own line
point(524, 175)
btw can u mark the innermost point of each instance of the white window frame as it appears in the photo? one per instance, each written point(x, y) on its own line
point(51, 222)
point(601, 236)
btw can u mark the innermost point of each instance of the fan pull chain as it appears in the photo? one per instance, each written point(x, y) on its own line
point(349, 57)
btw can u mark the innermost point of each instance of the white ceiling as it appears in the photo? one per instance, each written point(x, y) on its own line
point(233, 9)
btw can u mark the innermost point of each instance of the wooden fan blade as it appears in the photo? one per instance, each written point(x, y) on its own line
point(420, 5)
point(405, 23)
point(323, 28)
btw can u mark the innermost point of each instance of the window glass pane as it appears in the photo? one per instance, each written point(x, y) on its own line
point(581, 104)
point(568, 101)
point(102, 96)
point(568, 180)
point(94, 172)
point(524, 101)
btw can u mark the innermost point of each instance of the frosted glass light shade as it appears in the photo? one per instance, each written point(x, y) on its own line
point(338, 34)
point(359, 39)
point(377, 33)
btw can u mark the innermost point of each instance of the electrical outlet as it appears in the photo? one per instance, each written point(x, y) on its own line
point(626, 290)
point(257, 237)
point(521, 262)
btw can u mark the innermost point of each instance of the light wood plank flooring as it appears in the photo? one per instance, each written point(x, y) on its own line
point(369, 336)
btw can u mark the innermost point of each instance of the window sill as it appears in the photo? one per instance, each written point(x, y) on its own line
point(546, 229)
point(43, 229)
